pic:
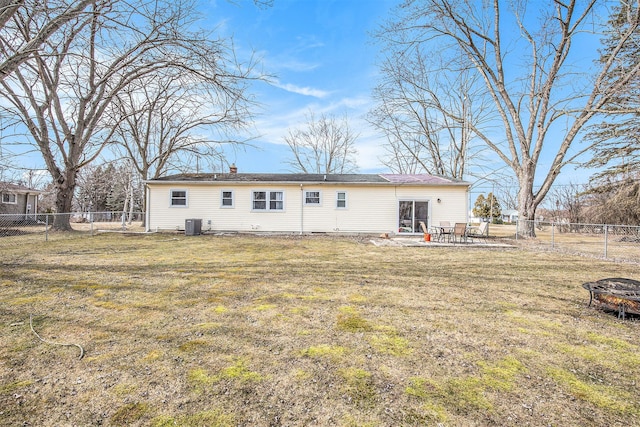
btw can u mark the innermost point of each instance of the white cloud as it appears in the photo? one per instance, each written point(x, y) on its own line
point(355, 103)
point(284, 62)
point(295, 65)
point(306, 91)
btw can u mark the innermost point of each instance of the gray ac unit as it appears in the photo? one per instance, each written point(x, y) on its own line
point(192, 227)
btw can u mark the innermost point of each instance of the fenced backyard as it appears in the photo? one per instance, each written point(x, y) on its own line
point(15, 228)
point(264, 330)
point(614, 242)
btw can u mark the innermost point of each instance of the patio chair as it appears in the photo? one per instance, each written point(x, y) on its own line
point(445, 230)
point(480, 232)
point(460, 232)
point(433, 230)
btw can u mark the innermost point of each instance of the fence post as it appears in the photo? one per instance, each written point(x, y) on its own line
point(46, 228)
point(91, 221)
point(553, 235)
point(517, 228)
point(606, 239)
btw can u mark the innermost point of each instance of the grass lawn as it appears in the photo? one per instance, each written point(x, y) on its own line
point(300, 331)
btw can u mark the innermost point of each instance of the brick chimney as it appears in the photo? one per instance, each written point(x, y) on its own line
point(233, 168)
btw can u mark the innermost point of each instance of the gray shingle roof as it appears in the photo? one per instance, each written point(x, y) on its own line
point(273, 177)
point(17, 188)
point(309, 178)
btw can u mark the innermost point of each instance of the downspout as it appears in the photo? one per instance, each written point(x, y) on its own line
point(148, 209)
point(301, 209)
point(468, 203)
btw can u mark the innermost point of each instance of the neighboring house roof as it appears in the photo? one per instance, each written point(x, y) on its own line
point(17, 188)
point(394, 179)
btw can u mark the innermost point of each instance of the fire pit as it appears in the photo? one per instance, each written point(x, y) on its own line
point(616, 294)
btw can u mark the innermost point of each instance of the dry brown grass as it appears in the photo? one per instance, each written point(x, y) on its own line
point(617, 247)
point(267, 331)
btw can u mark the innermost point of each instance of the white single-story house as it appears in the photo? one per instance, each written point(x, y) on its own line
point(510, 215)
point(18, 201)
point(304, 203)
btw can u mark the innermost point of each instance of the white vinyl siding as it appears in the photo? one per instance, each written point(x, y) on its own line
point(368, 208)
point(453, 206)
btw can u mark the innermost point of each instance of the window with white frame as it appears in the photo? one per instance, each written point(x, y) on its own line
point(226, 199)
point(312, 198)
point(276, 200)
point(179, 198)
point(9, 198)
point(341, 200)
point(268, 200)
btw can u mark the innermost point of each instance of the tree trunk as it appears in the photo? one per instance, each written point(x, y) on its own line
point(131, 200)
point(65, 187)
point(527, 210)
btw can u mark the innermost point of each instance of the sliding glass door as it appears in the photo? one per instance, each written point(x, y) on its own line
point(410, 214)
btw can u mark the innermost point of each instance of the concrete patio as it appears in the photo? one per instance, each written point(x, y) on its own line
point(418, 241)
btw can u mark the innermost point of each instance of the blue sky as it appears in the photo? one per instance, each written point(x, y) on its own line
point(323, 59)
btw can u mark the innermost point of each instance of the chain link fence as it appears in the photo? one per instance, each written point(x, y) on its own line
point(615, 242)
point(17, 228)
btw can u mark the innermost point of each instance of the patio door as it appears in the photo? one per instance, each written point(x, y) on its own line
point(410, 213)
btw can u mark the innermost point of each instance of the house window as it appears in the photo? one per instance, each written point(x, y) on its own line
point(312, 198)
point(341, 200)
point(178, 197)
point(9, 198)
point(259, 200)
point(226, 199)
point(268, 200)
point(276, 200)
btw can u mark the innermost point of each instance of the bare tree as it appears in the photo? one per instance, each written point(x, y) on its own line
point(613, 200)
point(113, 187)
point(159, 118)
point(567, 203)
point(617, 136)
point(426, 113)
point(507, 192)
point(529, 72)
point(61, 93)
point(36, 21)
point(44, 19)
point(163, 120)
point(326, 145)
